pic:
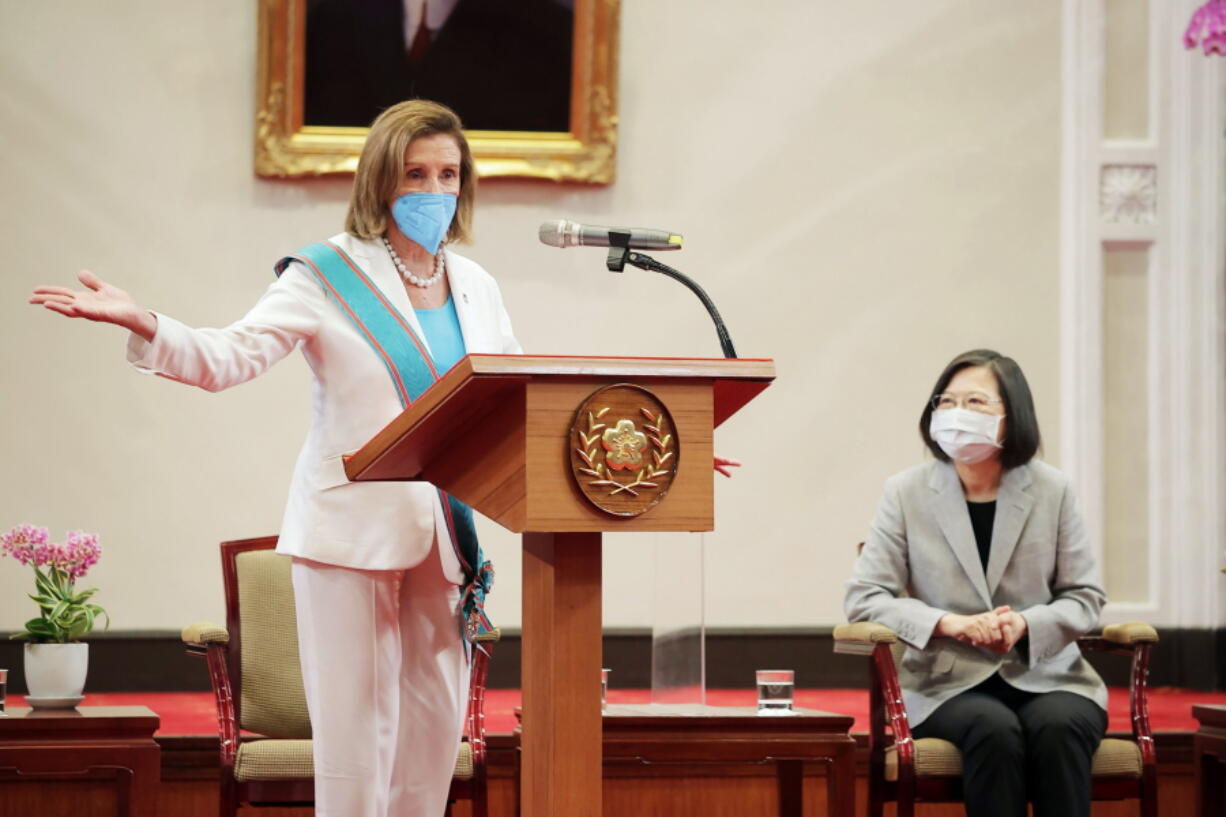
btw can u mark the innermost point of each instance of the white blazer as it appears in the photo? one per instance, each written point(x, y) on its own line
point(369, 525)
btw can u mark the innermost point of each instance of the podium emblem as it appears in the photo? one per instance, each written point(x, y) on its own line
point(624, 449)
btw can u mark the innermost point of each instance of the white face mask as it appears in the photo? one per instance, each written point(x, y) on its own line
point(966, 436)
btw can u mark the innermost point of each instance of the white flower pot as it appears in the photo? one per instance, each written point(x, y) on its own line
point(56, 671)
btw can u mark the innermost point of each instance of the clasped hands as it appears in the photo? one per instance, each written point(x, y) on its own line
point(997, 630)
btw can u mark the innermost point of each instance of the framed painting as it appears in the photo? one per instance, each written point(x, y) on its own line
point(535, 81)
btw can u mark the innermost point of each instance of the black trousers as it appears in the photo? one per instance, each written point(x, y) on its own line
point(1018, 746)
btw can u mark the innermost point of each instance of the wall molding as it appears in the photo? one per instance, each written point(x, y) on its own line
point(1193, 263)
point(1081, 397)
point(1165, 194)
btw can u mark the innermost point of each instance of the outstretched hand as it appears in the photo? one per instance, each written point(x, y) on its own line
point(99, 301)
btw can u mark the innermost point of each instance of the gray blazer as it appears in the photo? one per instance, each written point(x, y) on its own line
point(920, 562)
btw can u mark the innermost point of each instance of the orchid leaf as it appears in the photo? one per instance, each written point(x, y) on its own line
point(40, 627)
point(61, 581)
point(81, 623)
point(98, 611)
point(44, 585)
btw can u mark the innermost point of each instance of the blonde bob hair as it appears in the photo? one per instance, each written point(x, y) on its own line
point(381, 167)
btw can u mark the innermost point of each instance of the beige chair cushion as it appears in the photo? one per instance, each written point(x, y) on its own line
point(292, 760)
point(1131, 632)
point(940, 758)
point(274, 760)
point(273, 702)
point(464, 763)
point(204, 632)
point(1118, 758)
point(866, 632)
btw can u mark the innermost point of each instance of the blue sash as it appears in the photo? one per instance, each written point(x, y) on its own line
point(412, 371)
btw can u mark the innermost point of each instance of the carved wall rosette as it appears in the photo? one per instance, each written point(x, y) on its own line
point(1128, 194)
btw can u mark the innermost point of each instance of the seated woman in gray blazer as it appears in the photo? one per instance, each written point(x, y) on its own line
point(980, 562)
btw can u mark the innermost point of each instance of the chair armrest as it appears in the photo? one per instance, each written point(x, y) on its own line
point(1135, 638)
point(1129, 633)
point(860, 638)
point(886, 708)
point(492, 637)
point(204, 632)
point(210, 641)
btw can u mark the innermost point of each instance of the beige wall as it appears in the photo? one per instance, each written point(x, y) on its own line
point(1126, 462)
point(866, 189)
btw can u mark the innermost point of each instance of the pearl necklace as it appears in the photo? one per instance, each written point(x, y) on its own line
point(440, 267)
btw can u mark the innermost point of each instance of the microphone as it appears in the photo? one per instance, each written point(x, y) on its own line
point(621, 241)
point(563, 233)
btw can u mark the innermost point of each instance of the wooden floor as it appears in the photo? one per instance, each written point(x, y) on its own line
point(189, 789)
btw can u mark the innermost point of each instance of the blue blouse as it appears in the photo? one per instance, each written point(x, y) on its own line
point(442, 329)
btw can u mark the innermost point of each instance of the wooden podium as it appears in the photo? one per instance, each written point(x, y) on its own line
point(528, 442)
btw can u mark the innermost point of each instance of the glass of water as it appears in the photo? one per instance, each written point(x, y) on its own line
point(4, 683)
point(604, 689)
point(775, 691)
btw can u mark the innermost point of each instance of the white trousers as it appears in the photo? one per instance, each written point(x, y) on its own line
point(386, 679)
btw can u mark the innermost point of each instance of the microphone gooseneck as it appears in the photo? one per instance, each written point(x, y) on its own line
point(646, 262)
point(622, 241)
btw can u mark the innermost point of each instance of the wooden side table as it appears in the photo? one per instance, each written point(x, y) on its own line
point(1209, 750)
point(723, 734)
point(665, 734)
point(112, 742)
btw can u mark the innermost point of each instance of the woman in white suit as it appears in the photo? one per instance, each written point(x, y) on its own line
point(980, 562)
point(386, 575)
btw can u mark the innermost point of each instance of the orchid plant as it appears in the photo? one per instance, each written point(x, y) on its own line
point(65, 613)
point(1208, 25)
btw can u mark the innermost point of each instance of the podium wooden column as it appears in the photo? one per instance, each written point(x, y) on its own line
point(495, 432)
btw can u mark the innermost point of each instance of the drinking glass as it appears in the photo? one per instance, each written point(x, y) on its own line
point(775, 691)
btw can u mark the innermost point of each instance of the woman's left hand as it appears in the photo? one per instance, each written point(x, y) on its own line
point(723, 465)
point(1012, 628)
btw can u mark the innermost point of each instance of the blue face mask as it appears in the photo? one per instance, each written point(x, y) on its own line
point(425, 217)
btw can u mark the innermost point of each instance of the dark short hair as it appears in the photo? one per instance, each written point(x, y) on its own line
point(1022, 440)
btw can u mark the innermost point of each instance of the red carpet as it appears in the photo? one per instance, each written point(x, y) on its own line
point(192, 713)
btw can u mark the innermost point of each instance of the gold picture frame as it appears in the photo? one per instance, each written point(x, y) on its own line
point(286, 147)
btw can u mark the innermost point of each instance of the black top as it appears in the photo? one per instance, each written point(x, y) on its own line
point(983, 514)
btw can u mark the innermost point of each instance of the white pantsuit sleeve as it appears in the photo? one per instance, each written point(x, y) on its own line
point(1077, 593)
point(215, 359)
point(881, 575)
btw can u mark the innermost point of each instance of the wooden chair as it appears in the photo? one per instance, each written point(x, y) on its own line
point(906, 770)
point(257, 684)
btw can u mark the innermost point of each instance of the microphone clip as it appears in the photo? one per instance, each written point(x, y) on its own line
point(619, 250)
